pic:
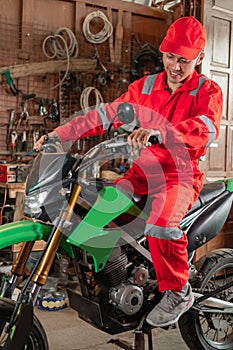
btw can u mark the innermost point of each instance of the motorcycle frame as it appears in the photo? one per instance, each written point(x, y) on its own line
point(32, 230)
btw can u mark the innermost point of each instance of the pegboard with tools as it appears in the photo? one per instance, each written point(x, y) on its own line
point(53, 66)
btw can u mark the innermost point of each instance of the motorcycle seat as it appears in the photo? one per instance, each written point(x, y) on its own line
point(136, 226)
point(209, 191)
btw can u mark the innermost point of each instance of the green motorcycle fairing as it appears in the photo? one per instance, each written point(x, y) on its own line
point(22, 231)
point(229, 184)
point(92, 235)
point(27, 231)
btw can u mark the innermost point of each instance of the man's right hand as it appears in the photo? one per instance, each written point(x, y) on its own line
point(41, 141)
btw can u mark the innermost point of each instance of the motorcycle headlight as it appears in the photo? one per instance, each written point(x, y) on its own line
point(33, 203)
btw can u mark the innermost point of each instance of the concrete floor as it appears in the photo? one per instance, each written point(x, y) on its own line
point(66, 331)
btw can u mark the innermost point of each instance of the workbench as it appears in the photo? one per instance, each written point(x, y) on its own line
point(15, 190)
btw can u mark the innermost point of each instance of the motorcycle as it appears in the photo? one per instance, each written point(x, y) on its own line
point(100, 229)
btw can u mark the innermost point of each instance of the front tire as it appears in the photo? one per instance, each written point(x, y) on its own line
point(37, 339)
point(209, 331)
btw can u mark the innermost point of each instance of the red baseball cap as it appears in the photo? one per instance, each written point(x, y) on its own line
point(185, 37)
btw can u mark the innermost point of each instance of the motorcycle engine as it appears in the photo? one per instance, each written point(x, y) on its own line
point(128, 296)
point(115, 270)
point(125, 290)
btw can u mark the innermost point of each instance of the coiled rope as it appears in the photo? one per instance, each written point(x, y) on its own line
point(62, 44)
point(85, 95)
point(103, 34)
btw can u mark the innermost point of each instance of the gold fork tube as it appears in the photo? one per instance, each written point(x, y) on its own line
point(42, 272)
point(19, 264)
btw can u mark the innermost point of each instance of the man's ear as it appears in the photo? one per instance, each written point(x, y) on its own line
point(200, 58)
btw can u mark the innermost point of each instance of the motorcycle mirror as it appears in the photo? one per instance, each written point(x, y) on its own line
point(126, 112)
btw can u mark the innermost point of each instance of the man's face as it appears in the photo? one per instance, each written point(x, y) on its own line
point(179, 68)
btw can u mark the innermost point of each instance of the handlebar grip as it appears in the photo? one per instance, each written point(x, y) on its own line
point(154, 140)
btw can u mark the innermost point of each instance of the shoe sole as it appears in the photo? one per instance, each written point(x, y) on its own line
point(151, 323)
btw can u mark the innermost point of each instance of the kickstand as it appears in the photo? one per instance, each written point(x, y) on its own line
point(139, 341)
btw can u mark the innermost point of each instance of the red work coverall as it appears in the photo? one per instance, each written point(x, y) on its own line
point(189, 120)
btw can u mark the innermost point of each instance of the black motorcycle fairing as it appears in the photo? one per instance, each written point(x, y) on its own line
point(47, 184)
point(209, 222)
point(49, 168)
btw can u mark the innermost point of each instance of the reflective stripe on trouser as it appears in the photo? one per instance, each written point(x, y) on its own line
point(167, 243)
point(170, 260)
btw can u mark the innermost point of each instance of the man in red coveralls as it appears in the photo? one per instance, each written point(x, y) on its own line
point(183, 110)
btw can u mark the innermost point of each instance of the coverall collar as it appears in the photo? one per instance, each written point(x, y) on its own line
point(189, 84)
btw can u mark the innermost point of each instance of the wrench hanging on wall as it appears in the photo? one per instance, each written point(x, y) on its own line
point(11, 125)
point(103, 79)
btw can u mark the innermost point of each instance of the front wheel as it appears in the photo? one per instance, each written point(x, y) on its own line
point(210, 331)
point(37, 338)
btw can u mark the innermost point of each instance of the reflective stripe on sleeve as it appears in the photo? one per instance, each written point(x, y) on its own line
point(103, 116)
point(148, 84)
point(200, 83)
point(212, 130)
point(168, 233)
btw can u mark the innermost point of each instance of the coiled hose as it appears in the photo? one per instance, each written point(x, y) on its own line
point(62, 44)
point(103, 34)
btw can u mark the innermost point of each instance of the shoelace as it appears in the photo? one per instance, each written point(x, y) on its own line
point(169, 301)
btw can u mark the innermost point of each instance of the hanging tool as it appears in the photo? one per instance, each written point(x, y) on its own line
point(35, 135)
point(54, 111)
point(119, 37)
point(23, 147)
point(147, 60)
point(24, 116)
point(13, 144)
point(103, 79)
point(42, 107)
point(11, 125)
point(7, 78)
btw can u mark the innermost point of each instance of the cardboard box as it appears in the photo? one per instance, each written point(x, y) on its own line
point(38, 245)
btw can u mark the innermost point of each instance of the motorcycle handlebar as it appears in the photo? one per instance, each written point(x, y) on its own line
point(154, 140)
point(52, 145)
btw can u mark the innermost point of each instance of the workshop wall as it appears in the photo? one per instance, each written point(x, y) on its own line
point(48, 59)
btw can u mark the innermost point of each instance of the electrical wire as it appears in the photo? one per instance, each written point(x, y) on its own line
point(103, 34)
point(62, 44)
point(85, 95)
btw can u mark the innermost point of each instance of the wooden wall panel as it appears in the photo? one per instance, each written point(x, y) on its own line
point(217, 155)
point(222, 79)
point(54, 13)
point(220, 40)
point(218, 65)
point(11, 10)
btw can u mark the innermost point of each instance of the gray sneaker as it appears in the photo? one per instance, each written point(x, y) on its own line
point(171, 307)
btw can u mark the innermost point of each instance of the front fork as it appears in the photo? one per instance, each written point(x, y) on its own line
point(41, 270)
point(17, 270)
